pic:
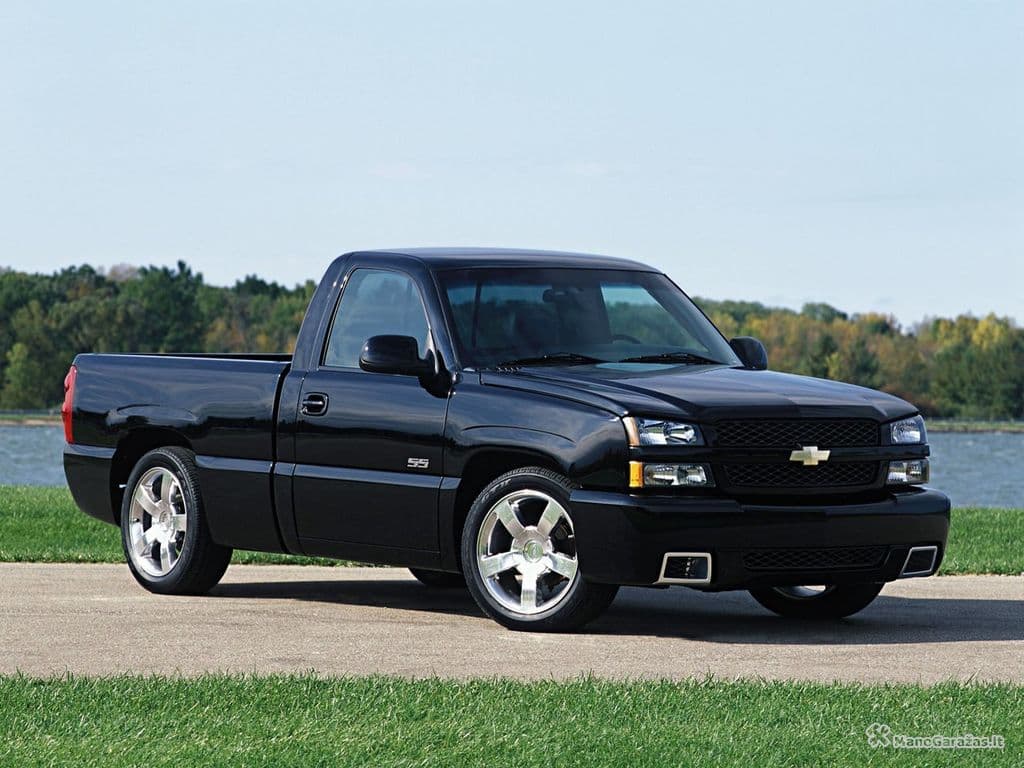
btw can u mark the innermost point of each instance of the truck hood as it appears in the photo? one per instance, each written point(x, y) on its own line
point(703, 392)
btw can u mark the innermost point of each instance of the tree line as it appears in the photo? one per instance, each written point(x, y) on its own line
point(966, 367)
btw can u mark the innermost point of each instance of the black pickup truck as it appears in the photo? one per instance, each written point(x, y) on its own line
point(540, 427)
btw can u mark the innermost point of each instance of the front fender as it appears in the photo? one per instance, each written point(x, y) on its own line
point(522, 439)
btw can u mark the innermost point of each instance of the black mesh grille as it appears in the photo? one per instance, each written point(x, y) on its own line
point(792, 475)
point(814, 559)
point(824, 433)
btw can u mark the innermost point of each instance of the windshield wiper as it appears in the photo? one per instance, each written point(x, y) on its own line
point(672, 357)
point(555, 358)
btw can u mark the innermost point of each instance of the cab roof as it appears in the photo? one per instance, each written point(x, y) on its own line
point(463, 258)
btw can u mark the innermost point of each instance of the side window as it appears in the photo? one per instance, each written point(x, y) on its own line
point(375, 302)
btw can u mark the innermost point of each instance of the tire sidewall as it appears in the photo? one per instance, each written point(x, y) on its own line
point(503, 486)
point(184, 474)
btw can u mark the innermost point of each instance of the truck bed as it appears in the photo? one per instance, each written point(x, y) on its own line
point(222, 406)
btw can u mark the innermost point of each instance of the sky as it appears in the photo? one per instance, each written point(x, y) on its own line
point(865, 154)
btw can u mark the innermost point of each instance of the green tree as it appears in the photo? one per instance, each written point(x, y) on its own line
point(823, 313)
point(22, 376)
point(854, 363)
point(159, 311)
point(964, 366)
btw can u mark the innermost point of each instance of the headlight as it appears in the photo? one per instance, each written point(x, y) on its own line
point(658, 432)
point(908, 431)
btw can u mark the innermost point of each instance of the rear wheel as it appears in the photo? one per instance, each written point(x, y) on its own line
point(438, 579)
point(831, 601)
point(519, 555)
point(163, 526)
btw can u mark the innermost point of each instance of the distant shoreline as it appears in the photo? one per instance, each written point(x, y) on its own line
point(936, 425)
point(960, 425)
point(29, 419)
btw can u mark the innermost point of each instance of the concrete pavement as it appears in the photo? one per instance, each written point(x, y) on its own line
point(94, 619)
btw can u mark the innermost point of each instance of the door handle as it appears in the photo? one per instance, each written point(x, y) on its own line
point(314, 404)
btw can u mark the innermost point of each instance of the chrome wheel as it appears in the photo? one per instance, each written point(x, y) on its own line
point(526, 552)
point(805, 592)
point(157, 522)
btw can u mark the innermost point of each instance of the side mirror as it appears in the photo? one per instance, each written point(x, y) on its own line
point(751, 352)
point(395, 354)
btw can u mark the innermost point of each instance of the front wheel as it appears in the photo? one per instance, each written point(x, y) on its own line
point(519, 555)
point(163, 526)
point(833, 601)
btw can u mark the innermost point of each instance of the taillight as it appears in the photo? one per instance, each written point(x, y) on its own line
point(69, 399)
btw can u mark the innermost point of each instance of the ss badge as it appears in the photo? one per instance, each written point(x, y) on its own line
point(413, 463)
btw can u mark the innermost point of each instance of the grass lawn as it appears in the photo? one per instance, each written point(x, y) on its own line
point(306, 721)
point(985, 540)
point(43, 525)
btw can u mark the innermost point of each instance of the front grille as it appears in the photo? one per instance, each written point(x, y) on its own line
point(813, 559)
point(791, 433)
point(790, 475)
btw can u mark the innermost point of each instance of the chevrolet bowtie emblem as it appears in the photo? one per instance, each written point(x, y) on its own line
point(809, 455)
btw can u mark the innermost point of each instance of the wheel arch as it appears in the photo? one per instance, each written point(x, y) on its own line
point(482, 467)
point(132, 447)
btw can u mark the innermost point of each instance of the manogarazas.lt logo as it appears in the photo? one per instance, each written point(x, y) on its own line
point(879, 735)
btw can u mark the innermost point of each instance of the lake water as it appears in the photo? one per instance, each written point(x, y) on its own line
point(983, 469)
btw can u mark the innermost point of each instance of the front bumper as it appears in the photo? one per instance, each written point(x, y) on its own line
point(623, 539)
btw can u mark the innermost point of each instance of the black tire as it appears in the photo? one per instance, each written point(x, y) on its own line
point(836, 602)
point(579, 602)
point(438, 579)
point(201, 562)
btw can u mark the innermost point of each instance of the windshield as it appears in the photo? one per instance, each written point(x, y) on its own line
point(574, 316)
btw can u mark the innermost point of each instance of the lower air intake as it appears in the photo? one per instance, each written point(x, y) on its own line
point(686, 568)
point(920, 561)
point(814, 559)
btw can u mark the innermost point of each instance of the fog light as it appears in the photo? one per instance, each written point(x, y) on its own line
point(908, 472)
point(667, 475)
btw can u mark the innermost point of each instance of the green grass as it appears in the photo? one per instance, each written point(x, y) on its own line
point(985, 540)
point(378, 721)
point(43, 525)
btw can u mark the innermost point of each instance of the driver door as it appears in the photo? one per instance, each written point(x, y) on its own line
point(369, 445)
